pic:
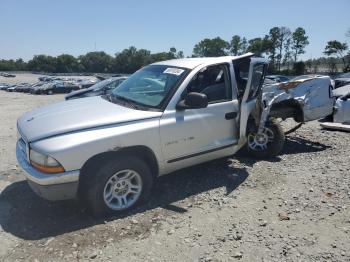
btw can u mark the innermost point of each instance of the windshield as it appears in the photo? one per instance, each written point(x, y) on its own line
point(150, 85)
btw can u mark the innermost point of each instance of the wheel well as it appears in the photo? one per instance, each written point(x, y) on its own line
point(286, 109)
point(91, 165)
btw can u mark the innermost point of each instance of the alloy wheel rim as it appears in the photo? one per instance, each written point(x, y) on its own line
point(260, 142)
point(122, 189)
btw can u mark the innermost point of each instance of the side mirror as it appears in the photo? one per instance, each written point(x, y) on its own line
point(193, 101)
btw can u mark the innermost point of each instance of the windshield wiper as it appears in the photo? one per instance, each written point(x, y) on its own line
point(129, 101)
point(125, 99)
point(108, 96)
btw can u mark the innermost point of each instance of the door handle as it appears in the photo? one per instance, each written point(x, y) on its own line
point(230, 115)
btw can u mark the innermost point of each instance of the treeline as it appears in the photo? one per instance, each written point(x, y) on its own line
point(280, 45)
point(330, 65)
point(127, 61)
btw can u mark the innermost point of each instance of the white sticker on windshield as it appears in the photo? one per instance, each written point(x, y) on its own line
point(173, 71)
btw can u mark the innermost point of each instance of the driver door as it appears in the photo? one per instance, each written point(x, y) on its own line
point(192, 136)
point(251, 96)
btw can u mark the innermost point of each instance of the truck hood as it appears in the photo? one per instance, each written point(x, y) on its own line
point(75, 115)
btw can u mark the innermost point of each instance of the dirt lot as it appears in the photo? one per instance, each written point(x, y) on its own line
point(291, 208)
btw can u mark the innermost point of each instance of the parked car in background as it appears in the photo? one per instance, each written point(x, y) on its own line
point(23, 87)
point(44, 78)
point(341, 91)
point(7, 75)
point(12, 88)
point(50, 78)
point(85, 83)
point(41, 89)
point(278, 78)
point(342, 80)
point(269, 82)
point(35, 89)
point(101, 88)
point(106, 76)
point(58, 87)
point(30, 88)
point(4, 86)
point(340, 119)
point(50, 85)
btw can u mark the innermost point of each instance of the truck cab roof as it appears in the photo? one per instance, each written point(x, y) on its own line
point(191, 63)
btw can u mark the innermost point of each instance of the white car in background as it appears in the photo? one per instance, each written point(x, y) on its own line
point(340, 119)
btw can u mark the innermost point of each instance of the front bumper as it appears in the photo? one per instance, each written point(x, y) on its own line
point(49, 186)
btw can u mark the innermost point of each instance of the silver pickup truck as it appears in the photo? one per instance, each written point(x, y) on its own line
point(107, 150)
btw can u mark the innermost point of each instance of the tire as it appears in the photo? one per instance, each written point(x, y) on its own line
point(100, 183)
point(272, 144)
point(49, 92)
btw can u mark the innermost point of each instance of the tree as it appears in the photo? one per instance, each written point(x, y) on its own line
point(244, 45)
point(42, 63)
point(315, 65)
point(211, 48)
point(7, 65)
point(299, 68)
point(283, 36)
point(299, 42)
point(162, 56)
point(259, 45)
point(337, 49)
point(287, 52)
point(332, 65)
point(66, 64)
point(273, 36)
point(20, 65)
point(238, 45)
point(308, 65)
point(96, 62)
point(173, 54)
point(131, 60)
point(180, 54)
point(235, 44)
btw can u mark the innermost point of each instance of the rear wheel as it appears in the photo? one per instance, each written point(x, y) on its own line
point(268, 144)
point(118, 185)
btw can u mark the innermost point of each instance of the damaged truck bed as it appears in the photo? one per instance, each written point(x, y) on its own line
point(303, 99)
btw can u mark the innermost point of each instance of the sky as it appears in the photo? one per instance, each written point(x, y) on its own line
point(76, 27)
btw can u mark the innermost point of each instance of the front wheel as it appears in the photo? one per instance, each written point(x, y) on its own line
point(118, 185)
point(268, 144)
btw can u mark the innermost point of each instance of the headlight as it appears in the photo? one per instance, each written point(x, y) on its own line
point(45, 164)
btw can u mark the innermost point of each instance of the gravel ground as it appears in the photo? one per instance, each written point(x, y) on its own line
point(294, 207)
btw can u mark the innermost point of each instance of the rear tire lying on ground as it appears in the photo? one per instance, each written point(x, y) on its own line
point(117, 186)
point(269, 144)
